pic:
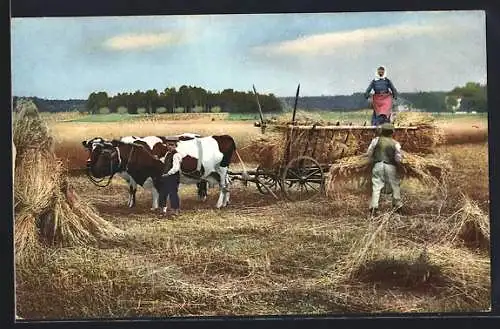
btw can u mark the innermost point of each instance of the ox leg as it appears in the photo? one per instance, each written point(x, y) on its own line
point(156, 197)
point(223, 187)
point(132, 189)
point(226, 201)
point(202, 191)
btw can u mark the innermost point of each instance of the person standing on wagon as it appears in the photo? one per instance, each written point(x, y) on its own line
point(384, 92)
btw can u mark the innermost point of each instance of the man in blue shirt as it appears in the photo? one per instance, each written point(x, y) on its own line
point(384, 91)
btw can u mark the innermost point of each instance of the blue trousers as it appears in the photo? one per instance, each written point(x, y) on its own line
point(169, 188)
point(379, 119)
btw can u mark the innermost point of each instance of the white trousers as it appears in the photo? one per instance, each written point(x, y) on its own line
point(382, 174)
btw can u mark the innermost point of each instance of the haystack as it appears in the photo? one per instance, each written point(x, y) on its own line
point(431, 171)
point(46, 208)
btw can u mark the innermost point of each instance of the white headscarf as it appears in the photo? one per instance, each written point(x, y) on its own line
point(378, 77)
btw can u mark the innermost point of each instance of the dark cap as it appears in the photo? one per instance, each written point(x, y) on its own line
point(387, 127)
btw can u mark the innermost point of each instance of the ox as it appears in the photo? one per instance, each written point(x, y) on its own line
point(156, 146)
point(204, 159)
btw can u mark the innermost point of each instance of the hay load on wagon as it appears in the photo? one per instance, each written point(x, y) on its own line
point(47, 210)
point(327, 143)
point(415, 131)
point(296, 159)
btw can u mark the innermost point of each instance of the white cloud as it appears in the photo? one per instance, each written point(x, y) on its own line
point(436, 54)
point(330, 43)
point(141, 41)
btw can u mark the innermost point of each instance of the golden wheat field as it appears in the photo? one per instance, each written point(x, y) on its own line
point(261, 256)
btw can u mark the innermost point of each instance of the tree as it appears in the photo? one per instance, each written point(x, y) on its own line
point(451, 103)
point(97, 101)
point(151, 99)
point(474, 96)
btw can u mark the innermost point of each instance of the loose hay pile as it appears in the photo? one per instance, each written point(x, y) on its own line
point(45, 206)
point(469, 225)
point(412, 119)
point(430, 171)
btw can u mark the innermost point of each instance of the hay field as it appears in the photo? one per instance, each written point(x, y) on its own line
point(261, 256)
point(69, 135)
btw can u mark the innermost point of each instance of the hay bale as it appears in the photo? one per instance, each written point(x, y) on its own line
point(430, 171)
point(45, 207)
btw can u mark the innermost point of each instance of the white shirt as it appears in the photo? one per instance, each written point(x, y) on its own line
point(397, 156)
point(176, 164)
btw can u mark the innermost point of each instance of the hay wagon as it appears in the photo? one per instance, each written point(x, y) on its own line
point(297, 162)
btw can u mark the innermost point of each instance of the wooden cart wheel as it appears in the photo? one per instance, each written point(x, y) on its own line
point(270, 180)
point(302, 179)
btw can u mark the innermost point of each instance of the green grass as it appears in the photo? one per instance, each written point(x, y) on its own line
point(112, 117)
point(245, 116)
point(353, 116)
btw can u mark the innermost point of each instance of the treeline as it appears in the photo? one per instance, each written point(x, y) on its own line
point(55, 105)
point(472, 96)
point(187, 99)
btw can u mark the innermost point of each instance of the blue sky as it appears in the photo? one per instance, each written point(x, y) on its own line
point(328, 54)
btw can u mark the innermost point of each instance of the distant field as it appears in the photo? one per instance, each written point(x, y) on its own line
point(355, 117)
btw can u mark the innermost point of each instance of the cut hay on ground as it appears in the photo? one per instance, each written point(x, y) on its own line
point(382, 259)
point(469, 226)
point(45, 206)
point(430, 171)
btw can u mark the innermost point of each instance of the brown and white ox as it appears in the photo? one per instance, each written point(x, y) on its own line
point(204, 160)
point(156, 145)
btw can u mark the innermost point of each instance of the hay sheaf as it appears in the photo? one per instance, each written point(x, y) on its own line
point(47, 211)
point(430, 171)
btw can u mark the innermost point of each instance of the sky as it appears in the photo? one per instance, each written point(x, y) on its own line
point(327, 53)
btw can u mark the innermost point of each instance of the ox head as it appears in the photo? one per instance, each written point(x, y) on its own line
point(104, 158)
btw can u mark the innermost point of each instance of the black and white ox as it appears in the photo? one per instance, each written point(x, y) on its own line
point(204, 160)
point(156, 145)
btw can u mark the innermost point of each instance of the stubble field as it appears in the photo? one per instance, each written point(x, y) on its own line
point(262, 256)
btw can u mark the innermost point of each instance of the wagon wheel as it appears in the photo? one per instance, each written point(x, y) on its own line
point(270, 180)
point(302, 179)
